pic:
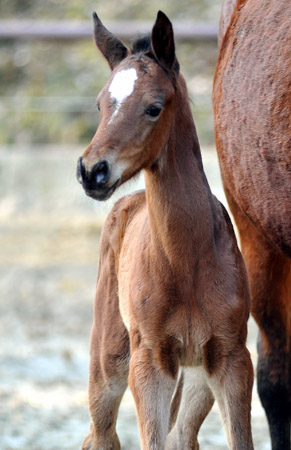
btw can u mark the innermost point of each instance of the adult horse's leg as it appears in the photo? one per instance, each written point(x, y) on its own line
point(152, 389)
point(269, 275)
point(196, 402)
point(109, 362)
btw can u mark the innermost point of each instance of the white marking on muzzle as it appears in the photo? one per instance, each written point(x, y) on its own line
point(121, 87)
point(117, 167)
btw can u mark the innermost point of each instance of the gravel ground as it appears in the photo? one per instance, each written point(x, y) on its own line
point(48, 267)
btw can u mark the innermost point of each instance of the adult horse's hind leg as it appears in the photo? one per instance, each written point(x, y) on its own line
point(274, 350)
point(270, 281)
point(196, 402)
point(109, 361)
point(269, 275)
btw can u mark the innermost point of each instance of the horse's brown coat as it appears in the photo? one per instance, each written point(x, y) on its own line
point(252, 109)
point(170, 271)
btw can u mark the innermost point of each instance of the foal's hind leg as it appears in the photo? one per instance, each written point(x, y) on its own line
point(109, 363)
point(270, 282)
point(196, 402)
point(108, 381)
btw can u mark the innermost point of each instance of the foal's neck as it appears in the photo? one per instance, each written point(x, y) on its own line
point(180, 203)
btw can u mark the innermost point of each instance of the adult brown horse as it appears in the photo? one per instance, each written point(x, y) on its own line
point(252, 109)
point(172, 290)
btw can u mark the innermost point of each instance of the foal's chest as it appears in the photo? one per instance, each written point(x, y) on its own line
point(157, 300)
point(152, 303)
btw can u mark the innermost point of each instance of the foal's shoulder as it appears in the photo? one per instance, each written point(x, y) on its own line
point(126, 207)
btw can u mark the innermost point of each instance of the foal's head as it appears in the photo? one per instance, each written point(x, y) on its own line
point(136, 107)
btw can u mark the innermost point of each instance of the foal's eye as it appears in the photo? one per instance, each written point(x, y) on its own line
point(98, 106)
point(153, 110)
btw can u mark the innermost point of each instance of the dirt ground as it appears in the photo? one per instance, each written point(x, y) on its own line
point(48, 267)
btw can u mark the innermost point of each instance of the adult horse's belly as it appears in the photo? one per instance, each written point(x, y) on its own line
point(252, 107)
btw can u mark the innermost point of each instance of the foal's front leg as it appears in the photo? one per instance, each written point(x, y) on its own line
point(109, 361)
point(196, 402)
point(232, 388)
point(152, 389)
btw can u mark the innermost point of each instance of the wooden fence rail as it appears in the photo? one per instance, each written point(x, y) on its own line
point(69, 30)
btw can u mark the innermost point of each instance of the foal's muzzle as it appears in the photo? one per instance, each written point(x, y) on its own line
point(96, 182)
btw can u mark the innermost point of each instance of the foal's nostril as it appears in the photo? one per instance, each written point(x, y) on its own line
point(94, 179)
point(101, 173)
point(80, 171)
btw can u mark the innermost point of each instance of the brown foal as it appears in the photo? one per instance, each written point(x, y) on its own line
point(172, 299)
point(252, 110)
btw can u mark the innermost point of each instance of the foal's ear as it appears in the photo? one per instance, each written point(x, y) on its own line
point(109, 45)
point(163, 44)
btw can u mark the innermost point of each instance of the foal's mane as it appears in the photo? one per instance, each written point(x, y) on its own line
point(142, 44)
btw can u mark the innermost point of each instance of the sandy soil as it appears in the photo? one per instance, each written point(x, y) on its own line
point(48, 267)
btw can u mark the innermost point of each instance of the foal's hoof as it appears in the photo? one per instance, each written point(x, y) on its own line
point(88, 444)
point(91, 444)
point(174, 442)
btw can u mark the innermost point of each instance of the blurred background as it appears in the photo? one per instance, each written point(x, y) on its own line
point(50, 75)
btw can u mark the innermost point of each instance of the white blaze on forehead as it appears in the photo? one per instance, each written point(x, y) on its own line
point(122, 86)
